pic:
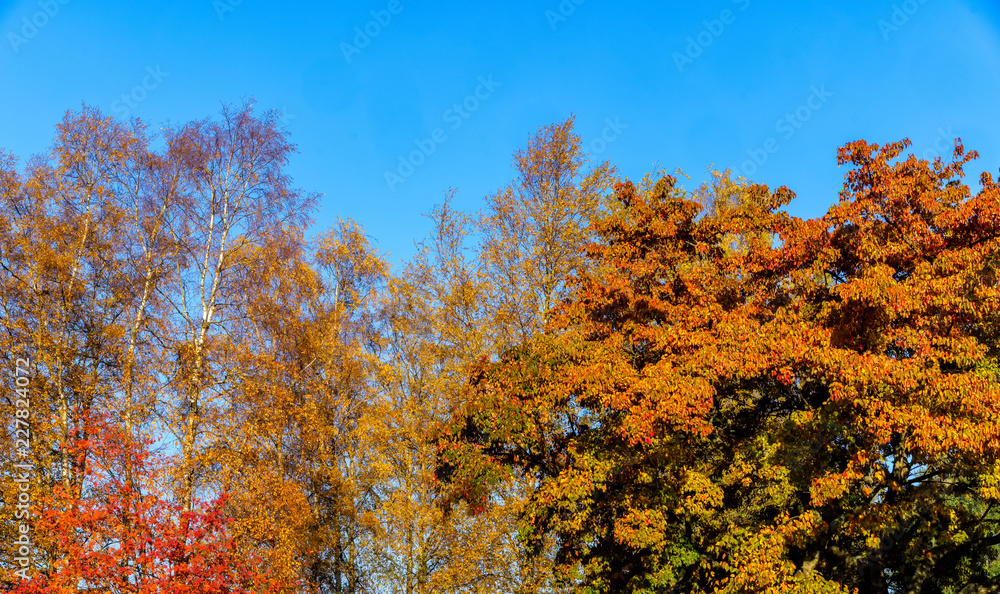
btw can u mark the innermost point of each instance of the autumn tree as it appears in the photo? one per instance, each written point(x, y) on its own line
point(814, 411)
point(297, 449)
point(92, 234)
point(128, 537)
point(476, 286)
point(233, 193)
point(651, 391)
point(66, 274)
point(431, 327)
point(533, 230)
point(82, 251)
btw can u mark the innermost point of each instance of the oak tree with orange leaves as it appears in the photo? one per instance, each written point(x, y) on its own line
point(812, 407)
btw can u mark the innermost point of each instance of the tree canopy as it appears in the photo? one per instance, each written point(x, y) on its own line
point(734, 399)
point(589, 385)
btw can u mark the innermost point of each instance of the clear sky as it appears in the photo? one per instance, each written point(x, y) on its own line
point(365, 84)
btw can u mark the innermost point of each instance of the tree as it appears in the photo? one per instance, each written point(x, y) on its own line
point(81, 252)
point(813, 411)
point(90, 238)
point(233, 194)
point(533, 231)
point(451, 305)
point(433, 325)
point(297, 452)
point(655, 391)
point(127, 538)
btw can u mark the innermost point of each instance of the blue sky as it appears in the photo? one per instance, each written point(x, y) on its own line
point(679, 85)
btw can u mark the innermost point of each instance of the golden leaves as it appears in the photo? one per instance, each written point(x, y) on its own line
point(659, 388)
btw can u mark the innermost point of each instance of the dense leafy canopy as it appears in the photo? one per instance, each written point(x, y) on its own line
point(587, 386)
point(735, 399)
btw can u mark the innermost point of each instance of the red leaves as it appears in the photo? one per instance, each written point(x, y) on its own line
point(136, 540)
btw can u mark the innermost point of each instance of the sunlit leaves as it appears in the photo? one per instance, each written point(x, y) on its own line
point(811, 398)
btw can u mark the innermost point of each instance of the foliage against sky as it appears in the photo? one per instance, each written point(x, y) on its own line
point(589, 385)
